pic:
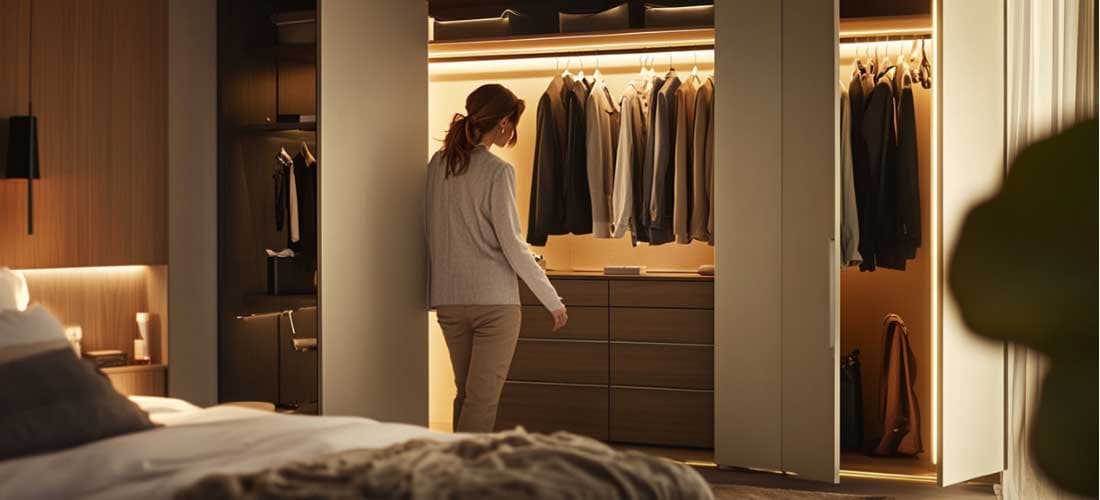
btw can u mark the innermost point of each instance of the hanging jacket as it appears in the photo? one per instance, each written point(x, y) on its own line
point(664, 151)
point(702, 163)
point(907, 228)
point(899, 407)
point(577, 203)
point(683, 158)
point(881, 146)
point(644, 188)
point(629, 159)
point(602, 116)
point(305, 176)
point(546, 213)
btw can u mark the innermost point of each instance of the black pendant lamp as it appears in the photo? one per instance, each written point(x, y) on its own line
point(22, 160)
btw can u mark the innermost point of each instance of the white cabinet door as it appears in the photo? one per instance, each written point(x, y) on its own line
point(971, 69)
point(809, 330)
point(373, 120)
point(775, 323)
point(748, 217)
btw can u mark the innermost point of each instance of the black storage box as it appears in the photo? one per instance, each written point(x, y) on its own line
point(615, 18)
point(691, 16)
point(289, 275)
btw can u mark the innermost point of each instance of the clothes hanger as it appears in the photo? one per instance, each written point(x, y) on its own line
point(565, 73)
point(596, 76)
point(308, 155)
point(580, 72)
point(695, 68)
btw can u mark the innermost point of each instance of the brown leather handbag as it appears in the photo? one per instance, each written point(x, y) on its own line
point(899, 407)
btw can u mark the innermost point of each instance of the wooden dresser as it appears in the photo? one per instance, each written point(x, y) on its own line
point(635, 364)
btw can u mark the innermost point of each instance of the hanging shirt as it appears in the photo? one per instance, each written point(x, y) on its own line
point(661, 191)
point(859, 94)
point(629, 159)
point(683, 184)
point(603, 135)
point(546, 214)
point(849, 217)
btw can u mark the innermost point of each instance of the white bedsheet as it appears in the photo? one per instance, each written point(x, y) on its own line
point(193, 443)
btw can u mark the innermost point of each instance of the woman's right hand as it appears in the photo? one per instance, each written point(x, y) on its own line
point(560, 318)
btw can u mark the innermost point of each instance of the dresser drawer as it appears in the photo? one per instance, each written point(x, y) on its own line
point(662, 417)
point(588, 323)
point(576, 362)
point(656, 365)
point(572, 292)
point(550, 408)
point(684, 326)
point(675, 294)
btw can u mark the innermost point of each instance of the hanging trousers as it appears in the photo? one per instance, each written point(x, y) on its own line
point(481, 341)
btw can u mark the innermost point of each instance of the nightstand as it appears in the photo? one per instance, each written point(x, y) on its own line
point(139, 380)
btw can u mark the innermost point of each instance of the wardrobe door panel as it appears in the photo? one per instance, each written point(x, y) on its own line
point(585, 323)
point(687, 294)
point(662, 365)
point(972, 367)
point(748, 216)
point(685, 326)
point(662, 417)
point(559, 361)
point(551, 407)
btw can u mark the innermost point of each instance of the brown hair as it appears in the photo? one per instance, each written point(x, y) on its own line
point(485, 107)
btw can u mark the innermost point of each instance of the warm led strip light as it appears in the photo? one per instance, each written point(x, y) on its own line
point(84, 270)
point(934, 228)
point(887, 476)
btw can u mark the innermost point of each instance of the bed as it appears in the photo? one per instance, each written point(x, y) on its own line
point(214, 452)
point(192, 443)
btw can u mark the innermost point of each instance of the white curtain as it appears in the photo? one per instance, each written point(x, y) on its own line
point(1051, 84)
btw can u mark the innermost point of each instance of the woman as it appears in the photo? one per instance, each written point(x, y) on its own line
point(476, 251)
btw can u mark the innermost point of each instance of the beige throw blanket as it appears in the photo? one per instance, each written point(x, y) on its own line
point(506, 465)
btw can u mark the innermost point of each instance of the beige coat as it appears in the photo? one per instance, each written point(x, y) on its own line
point(602, 128)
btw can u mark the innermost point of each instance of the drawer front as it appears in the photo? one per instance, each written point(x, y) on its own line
point(676, 294)
point(549, 408)
point(656, 365)
point(572, 293)
point(662, 417)
point(585, 323)
point(560, 361)
point(684, 326)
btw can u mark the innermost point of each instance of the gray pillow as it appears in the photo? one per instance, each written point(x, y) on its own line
point(51, 400)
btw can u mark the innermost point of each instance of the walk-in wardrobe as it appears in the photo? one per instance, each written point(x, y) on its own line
point(267, 203)
point(742, 367)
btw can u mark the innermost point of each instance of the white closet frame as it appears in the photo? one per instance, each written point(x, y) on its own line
point(776, 366)
point(777, 289)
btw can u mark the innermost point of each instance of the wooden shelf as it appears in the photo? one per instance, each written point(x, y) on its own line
point(134, 368)
point(278, 127)
point(555, 44)
point(650, 276)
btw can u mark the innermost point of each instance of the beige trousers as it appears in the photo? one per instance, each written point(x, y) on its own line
point(481, 340)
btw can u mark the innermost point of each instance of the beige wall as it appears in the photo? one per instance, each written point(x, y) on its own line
point(865, 298)
point(193, 200)
point(449, 85)
point(374, 354)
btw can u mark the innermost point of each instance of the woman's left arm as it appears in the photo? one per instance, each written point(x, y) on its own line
point(505, 218)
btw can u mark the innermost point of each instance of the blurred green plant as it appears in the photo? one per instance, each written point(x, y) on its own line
point(1025, 270)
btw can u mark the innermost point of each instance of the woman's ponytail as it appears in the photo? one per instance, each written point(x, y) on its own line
point(485, 107)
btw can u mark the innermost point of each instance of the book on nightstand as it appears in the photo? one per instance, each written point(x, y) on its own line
point(106, 358)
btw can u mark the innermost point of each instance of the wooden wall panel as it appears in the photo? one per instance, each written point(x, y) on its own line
point(14, 52)
point(103, 302)
point(99, 88)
